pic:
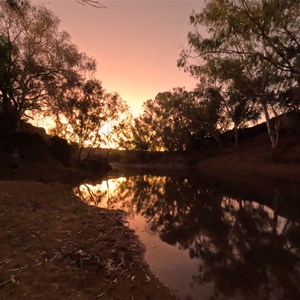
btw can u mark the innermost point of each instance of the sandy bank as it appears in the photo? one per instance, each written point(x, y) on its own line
point(54, 246)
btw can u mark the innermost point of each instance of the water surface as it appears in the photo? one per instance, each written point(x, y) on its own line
point(204, 244)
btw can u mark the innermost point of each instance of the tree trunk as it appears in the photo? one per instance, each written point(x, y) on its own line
point(270, 126)
point(275, 209)
point(7, 107)
point(79, 155)
point(10, 116)
point(216, 137)
point(235, 136)
point(91, 150)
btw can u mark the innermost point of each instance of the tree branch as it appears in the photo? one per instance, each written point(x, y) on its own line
point(249, 14)
point(93, 3)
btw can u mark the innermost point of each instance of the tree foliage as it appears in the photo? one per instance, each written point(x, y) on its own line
point(262, 36)
point(247, 64)
point(85, 111)
point(166, 118)
point(175, 119)
point(43, 73)
point(239, 92)
point(38, 60)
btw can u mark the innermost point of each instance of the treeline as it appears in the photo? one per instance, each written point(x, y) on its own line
point(42, 73)
point(246, 55)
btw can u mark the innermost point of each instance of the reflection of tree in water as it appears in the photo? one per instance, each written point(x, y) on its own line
point(244, 248)
point(251, 258)
point(90, 195)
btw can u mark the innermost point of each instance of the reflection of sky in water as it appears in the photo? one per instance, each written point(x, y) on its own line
point(170, 264)
point(179, 262)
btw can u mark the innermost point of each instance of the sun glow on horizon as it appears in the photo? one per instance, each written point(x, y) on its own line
point(106, 131)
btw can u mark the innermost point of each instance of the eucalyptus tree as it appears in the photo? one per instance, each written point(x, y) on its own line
point(265, 35)
point(37, 61)
point(17, 5)
point(141, 136)
point(175, 120)
point(207, 113)
point(238, 100)
point(240, 111)
point(168, 119)
point(163, 125)
point(84, 112)
point(132, 134)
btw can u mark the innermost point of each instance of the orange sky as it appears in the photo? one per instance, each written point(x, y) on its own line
point(135, 42)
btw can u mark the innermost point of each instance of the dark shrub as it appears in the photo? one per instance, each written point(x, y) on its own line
point(96, 164)
point(61, 149)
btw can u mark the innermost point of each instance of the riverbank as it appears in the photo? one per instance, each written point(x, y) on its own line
point(252, 163)
point(54, 246)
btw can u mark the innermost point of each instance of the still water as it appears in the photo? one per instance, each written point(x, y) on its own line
point(204, 244)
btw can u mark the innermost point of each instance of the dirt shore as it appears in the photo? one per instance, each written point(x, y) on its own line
point(54, 246)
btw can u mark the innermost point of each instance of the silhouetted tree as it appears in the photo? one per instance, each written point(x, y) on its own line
point(37, 61)
point(239, 103)
point(167, 120)
point(84, 111)
point(209, 116)
point(264, 35)
point(132, 134)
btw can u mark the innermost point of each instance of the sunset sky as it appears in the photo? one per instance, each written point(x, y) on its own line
point(136, 43)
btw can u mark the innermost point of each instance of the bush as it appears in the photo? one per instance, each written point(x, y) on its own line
point(61, 150)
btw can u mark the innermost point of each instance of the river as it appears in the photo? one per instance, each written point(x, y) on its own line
point(204, 243)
